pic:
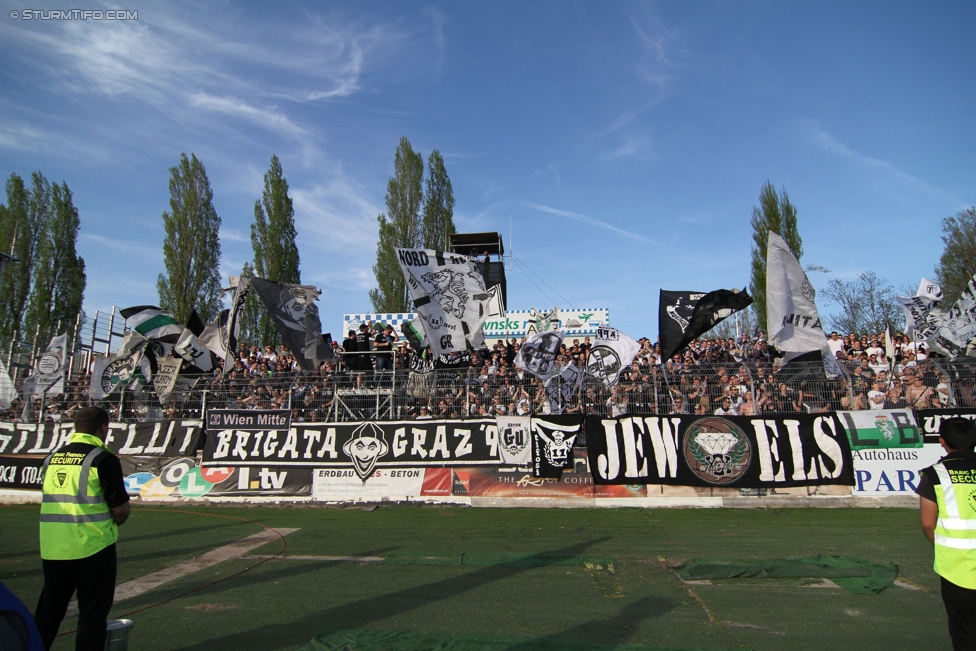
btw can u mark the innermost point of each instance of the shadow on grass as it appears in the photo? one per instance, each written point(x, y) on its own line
point(360, 613)
point(221, 585)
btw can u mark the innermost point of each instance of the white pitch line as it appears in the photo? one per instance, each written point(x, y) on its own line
point(236, 549)
point(350, 559)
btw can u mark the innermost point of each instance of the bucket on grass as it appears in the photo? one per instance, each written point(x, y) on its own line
point(117, 634)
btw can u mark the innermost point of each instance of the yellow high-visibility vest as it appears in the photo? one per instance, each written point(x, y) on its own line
point(76, 521)
point(955, 531)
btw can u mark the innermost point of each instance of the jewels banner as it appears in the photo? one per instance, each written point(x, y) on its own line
point(736, 451)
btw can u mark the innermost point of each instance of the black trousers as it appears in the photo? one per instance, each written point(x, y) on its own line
point(94, 580)
point(960, 604)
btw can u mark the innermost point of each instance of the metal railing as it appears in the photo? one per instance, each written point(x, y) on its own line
point(344, 395)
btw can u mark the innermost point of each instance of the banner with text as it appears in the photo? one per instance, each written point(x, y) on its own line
point(735, 452)
point(153, 438)
point(929, 420)
point(362, 447)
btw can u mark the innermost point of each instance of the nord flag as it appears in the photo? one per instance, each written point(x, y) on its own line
point(683, 316)
point(152, 322)
point(448, 294)
point(293, 310)
point(792, 317)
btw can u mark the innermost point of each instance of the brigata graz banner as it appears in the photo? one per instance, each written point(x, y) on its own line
point(361, 447)
point(155, 438)
point(735, 452)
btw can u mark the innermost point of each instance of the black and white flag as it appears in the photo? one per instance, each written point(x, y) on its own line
point(233, 328)
point(957, 329)
point(128, 368)
point(612, 352)
point(164, 380)
point(196, 354)
point(449, 295)
point(929, 289)
point(293, 310)
point(562, 387)
point(683, 316)
point(539, 352)
point(553, 438)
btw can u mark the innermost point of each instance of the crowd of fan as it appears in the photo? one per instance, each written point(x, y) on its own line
point(711, 376)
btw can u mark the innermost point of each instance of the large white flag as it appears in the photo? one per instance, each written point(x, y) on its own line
point(538, 354)
point(8, 393)
point(958, 328)
point(921, 316)
point(792, 317)
point(449, 295)
point(49, 369)
point(611, 353)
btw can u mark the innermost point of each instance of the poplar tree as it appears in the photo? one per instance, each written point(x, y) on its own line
point(191, 248)
point(957, 265)
point(400, 227)
point(774, 213)
point(273, 241)
point(438, 223)
point(22, 221)
point(59, 273)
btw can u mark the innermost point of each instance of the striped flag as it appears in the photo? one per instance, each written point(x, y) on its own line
point(152, 322)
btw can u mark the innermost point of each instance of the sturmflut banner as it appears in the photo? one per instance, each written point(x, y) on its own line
point(734, 452)
point(157, 438)
point(362, 447)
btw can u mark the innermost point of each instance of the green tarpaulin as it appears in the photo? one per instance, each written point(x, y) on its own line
point(854, 574)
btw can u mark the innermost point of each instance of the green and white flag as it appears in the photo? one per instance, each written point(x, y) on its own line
point(152, 322)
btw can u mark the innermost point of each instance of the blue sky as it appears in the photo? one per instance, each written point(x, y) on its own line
point(619, 147)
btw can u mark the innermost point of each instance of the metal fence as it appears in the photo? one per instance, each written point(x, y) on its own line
point(744, 388)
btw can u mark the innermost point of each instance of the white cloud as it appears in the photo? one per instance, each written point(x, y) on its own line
point(236, 107)
point(829, 143)
point(590, 221)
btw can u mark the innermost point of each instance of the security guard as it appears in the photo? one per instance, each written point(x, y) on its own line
point(947, 507)
point(83, 504)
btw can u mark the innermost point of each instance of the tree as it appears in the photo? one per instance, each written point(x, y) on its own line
point(59, 274)
point(399, 228)
point(958, 262)
point(273, 241)
point(867, 305)
point(191, 248)
point(22, 221)
point(775, 213)
point(438, 223)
